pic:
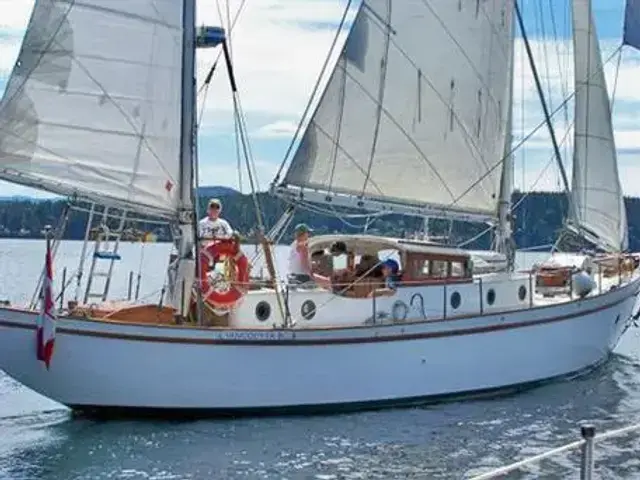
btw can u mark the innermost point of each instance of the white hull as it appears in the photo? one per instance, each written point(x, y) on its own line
point(109, 364)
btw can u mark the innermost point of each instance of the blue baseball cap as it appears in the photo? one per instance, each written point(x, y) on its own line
point(391, 265)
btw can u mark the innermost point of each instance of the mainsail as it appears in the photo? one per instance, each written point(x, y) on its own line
point(416, 109)
point(92, 107)
point(596, 191)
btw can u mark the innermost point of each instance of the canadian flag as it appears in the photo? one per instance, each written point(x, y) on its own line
point(46, 326)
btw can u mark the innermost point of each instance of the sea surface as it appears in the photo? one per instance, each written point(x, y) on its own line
point(40, 439)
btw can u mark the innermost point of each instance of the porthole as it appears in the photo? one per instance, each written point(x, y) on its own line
point(399, 310)
point(522, 293)
point(308, 310)
point(456, 299)
point(491, 296)
point(263, 311)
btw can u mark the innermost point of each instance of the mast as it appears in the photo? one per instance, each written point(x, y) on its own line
point(186, 265)
point(504, 231)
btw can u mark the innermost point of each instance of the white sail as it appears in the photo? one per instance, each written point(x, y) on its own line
point(92, 107)
point(416, 108)
point(596, 191)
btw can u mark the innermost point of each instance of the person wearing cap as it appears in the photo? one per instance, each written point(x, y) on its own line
point(299, 259)
point(212, 226)
point(390, 270)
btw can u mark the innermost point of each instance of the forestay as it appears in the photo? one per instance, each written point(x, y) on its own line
point(596, 191)
point(92, 107)
point(416, 108)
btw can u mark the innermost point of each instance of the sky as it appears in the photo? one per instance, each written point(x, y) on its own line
point(278, 48)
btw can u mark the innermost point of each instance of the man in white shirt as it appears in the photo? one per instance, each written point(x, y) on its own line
point(212, 226)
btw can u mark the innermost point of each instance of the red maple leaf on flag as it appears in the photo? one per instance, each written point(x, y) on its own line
point(168, 186)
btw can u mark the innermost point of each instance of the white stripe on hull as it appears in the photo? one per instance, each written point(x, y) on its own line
point(188, 368)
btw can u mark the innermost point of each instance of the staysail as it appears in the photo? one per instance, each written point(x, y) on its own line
point(416, 108)
point(92, 107)
point(596, 191)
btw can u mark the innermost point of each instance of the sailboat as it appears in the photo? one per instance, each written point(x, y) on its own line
point(414, 119)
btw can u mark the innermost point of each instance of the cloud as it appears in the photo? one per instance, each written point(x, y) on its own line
point(278, 129)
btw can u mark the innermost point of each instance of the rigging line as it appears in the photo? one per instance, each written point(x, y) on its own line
point(541, 174)
point(243, 125)
point(331, 211)
point(523, 109)
point(237, 133)
point(215, 62)
point(314, 91)
point(338, 125)
point(615, 80)
point(236, 127)
point(548, 119)
point(207, 81)
point(475, 237)
point(533, 132)
point(384, 62)
point(545, 53)
point(333, 214)
point(527, 193)
point(563, 79)
point(564, 138)
point(319, 210)
point(228, 3)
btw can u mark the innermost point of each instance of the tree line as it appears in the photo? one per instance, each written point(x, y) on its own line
point(538, 220)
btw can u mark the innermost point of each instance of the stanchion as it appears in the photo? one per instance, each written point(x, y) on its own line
point(588, 433)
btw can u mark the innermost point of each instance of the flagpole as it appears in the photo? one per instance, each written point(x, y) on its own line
point(46, 231)
point(45, 327)
point(40, 341)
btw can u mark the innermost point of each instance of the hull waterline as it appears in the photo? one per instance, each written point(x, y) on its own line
point(112, 367)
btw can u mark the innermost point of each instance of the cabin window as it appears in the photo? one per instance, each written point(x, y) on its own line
point(458, 269)
point(439, 268)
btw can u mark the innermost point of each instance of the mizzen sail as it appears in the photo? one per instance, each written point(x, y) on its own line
point(92, 107)
point(596, 191)
point(416, 108)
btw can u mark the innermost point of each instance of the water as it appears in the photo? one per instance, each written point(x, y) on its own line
point(39, 439)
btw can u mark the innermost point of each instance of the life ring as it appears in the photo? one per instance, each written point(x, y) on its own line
point(223, 291)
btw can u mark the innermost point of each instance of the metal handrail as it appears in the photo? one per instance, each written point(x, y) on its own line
point(587, 443)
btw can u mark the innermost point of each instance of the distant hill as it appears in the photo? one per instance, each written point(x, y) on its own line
point(21, 198)
point(216, 191)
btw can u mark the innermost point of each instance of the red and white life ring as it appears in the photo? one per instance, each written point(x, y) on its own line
point(223, 292)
